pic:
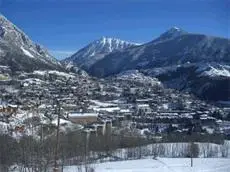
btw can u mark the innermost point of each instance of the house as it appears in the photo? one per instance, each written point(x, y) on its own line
point(82, 118)
point(9, 109)
point(144, 108)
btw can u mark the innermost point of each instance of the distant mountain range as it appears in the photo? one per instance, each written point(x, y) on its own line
point(181, 60)
point(97, 50)
point(18, 52)
point(174, 47)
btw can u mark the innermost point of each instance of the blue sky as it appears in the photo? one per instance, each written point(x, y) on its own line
point(64, 26)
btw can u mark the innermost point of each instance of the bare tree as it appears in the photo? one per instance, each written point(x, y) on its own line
point(225, 149)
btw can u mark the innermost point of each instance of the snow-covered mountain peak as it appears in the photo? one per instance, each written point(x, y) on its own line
point(12, 33)
point(97, 50)
point(5, 21)
point(172, 33)
point(175, 29)
point(13, 39)
point(113, 43)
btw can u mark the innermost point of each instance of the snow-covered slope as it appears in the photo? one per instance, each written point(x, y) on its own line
point(172, 33)
point(71, 67)
point(20, 53)
point(161, 165)
point(174, 47)
point(207, 80)
point(211, 70)
point(96, 50)
point(137, 76)
point(214, 70)
point(176, 58)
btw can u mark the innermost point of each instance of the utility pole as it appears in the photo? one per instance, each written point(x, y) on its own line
point(191, 153)
point(57, 138)
point(86, 151)
point(192, 145)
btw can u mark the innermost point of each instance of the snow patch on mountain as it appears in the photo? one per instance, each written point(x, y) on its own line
point(114, 43)
point(214, 70)
point(27, 52)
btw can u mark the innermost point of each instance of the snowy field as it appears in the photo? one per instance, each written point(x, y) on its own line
point(161, 165)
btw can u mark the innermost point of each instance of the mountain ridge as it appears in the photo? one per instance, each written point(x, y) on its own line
point(19, 52)
point(97, 50)
point(184, 48)
point(186, 51)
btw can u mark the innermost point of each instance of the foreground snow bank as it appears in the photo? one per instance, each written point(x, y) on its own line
point(161, 165)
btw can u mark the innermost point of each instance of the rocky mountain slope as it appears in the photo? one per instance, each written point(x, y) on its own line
point(182, 60)
point(137, 76)
point(211, 81)
point(97, 50)
point(173, 47)
point(18, 52)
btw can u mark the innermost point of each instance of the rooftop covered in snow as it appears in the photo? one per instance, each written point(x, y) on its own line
point(79, 114)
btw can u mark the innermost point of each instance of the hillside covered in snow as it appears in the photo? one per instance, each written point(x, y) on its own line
point(19, 52)
point(97, 50)
point(161, 165)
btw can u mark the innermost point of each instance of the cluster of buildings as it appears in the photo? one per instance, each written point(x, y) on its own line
point(106, 105)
